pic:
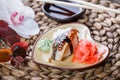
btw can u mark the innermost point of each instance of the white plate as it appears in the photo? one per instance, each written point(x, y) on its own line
point(39, 57)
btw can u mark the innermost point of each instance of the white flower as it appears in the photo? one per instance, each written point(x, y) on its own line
point(19, 17)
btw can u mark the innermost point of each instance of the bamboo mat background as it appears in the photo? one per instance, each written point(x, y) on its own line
point(117, 1)
point(105, 28)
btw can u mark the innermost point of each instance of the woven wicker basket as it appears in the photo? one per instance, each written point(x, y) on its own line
point(104, 27)
point(117, 1)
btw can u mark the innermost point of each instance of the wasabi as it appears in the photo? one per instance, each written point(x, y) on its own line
point(44, 45)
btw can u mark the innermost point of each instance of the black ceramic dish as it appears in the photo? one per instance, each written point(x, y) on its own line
point(61, 13)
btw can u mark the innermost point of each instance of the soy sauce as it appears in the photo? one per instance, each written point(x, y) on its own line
point(62, 12)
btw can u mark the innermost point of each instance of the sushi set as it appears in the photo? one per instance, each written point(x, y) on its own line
point(69, 46)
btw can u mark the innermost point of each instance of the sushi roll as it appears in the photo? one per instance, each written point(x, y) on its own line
point(64, 43)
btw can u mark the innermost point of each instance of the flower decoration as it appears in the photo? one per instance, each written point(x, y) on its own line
point(7, 33)
point(15, 54)
point(19, 17)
